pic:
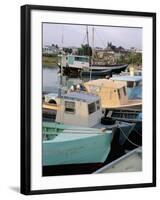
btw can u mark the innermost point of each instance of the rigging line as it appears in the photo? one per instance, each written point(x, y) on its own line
point(84, 38)
point(102, 41)
point(128, 138)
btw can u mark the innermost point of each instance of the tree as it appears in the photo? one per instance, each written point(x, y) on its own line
point(67, 50)
point(57, 46)
point(121, 60)
point(135, 58)
point(85, 50)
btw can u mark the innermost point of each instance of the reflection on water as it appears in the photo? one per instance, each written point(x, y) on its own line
point(50, 80)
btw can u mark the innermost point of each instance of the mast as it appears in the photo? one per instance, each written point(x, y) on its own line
point(88, 45)
point(92, 51)
point(87, 36)
point(61, 63)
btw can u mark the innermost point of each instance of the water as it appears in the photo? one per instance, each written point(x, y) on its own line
point(50, 80)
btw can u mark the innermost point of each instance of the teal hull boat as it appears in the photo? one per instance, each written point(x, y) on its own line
point(66, 144)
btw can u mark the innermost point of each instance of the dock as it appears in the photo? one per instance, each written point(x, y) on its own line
point(130, 162)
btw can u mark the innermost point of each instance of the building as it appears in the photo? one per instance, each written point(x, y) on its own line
point(50, 49)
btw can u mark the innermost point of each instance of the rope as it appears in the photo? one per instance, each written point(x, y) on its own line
point(127, 137)
point(138, 132)
point(84, 38)
point(103, 43)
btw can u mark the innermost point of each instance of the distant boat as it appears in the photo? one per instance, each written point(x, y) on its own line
point(77, 135)
point(73, 65)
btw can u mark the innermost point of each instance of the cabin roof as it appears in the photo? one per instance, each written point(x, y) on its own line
point(127, 78)
point(105, 83)
point(81, 96)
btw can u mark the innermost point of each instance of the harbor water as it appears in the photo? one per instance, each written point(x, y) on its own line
point(50, 80)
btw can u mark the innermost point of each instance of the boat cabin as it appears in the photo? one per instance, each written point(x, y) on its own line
point(133, 84)
point(79, 108)
point(75, 61)
point(110, 92)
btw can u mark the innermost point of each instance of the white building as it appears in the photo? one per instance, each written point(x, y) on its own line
point(50, 49)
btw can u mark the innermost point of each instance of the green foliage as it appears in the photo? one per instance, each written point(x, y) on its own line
point(67, 50)
point(130, 58)
point(50, 61)
point(121, 60)
point(85, 50)
point(49, 55)
point(134, 58)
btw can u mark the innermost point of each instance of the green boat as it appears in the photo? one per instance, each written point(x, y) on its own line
point(71, 139)
point(72, 145)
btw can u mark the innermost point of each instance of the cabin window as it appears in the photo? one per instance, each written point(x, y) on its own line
point(124, 90)
point(91, 108)
point(70, 107)
point(138, 83)
point(119, 95)
point(98, 105)
point(81, 59)
point(130, 84)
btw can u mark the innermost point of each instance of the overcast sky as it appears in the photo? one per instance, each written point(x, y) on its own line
point(74, 35)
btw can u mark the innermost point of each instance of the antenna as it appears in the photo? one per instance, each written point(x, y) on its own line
point(87, 35)
point(62, 36)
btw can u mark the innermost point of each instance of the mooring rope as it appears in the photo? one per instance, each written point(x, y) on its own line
point(137, 132)
point(128, 138)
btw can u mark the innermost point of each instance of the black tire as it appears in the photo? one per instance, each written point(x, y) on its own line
point(107, 121)
point(52, 101)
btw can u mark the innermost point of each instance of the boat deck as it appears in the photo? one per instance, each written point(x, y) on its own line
point(131, 105)
point(50, 106)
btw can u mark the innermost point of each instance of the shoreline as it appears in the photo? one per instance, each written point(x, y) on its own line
point(50, 62)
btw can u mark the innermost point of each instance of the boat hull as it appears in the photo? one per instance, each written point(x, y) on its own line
point(75, 148)
point(73, 71)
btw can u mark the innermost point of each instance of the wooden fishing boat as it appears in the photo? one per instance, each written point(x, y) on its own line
point(71, 138)
point(113, 94)
point(77, 135)
point(74, 65)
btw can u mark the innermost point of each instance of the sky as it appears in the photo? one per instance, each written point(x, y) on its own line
point(74, 35)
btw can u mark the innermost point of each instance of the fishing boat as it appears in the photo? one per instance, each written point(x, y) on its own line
point(133, 84)
point(96, 73)
point(70, 140)
point(117, 106)
point(134, 139)
point(77, 135)
point(74, 65)
point(113, 94)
